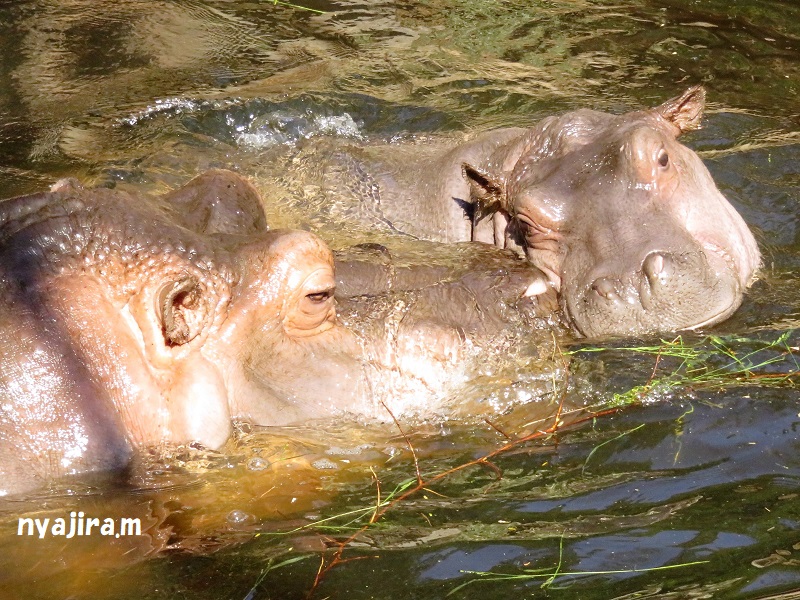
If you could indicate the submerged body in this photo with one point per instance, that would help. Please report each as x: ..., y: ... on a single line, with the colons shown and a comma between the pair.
x: 625, y: 221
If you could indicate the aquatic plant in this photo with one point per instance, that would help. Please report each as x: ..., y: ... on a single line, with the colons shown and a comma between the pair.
x: 710, y: 363
x: 551, y: 574
x: 297, y: 6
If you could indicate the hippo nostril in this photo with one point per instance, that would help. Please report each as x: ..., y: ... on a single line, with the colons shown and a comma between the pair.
x: 605, y: 288
x: 657, y: 267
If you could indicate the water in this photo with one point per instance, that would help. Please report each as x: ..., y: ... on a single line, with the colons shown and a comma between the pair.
x: 701, y: 479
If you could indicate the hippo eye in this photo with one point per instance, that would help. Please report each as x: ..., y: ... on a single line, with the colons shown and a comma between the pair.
x: 311, y: 308
x: 315, y: 312
x: 663, y: 158
x: 320, y: 297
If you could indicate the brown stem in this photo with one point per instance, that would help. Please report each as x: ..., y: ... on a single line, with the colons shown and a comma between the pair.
x: 408, y: 443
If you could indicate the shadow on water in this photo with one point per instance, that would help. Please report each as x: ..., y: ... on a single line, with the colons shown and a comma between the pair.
x: 692, y: 491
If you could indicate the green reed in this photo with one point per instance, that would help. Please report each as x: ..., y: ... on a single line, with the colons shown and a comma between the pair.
x: 710, y: 363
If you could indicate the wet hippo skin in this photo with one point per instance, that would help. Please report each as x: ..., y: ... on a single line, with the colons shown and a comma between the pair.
x: 625, y: 221
x: 129, y: 320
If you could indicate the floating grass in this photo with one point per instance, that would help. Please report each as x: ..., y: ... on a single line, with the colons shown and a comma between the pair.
x: 352, y: 519
x: 713, y: 362
x: 550, y: 575
x: 272, y: 566
x: 298, y: 7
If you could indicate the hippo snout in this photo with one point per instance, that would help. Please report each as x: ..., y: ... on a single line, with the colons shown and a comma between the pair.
x: 658, y: 269
x: 666, y: 291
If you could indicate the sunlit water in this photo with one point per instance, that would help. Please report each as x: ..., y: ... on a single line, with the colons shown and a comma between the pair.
x: 147, y: 94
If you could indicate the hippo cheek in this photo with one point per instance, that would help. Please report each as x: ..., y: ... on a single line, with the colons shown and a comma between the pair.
x: 289, y: 358
x: 670, y: 291
x: 283, y: 381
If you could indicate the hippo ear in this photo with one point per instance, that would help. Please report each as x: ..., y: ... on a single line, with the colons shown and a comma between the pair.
x: 178, y: 305
x: 685, y: 111
x: 219, y: 201
x: 488, y: 192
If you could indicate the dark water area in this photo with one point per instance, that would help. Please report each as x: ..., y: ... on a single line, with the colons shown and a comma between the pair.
x: 690, y: 491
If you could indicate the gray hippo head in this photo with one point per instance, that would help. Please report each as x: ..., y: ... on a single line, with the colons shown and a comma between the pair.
x: 625, y: 220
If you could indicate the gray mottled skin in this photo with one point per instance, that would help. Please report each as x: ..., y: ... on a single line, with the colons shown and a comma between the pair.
x: 625, y: 221
x: 128, y: 321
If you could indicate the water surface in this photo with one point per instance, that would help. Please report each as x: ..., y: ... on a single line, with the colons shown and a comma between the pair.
x: 692, y: 493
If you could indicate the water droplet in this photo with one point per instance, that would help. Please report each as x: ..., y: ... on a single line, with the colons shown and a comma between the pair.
x: 239, y: 517
x: 324, y: 463
x: 257, y: 463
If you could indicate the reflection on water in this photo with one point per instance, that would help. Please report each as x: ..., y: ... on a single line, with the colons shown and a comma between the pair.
x: 147, y: 94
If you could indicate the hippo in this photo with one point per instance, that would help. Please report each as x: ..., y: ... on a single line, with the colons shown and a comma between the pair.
x: 129, y: 321
x: 626, y: 222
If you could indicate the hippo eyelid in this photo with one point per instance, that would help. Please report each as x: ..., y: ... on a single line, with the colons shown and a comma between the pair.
x: 321, y: 296
x: 534, y: 226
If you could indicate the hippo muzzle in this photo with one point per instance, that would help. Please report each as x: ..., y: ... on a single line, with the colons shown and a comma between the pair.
x: 667, y: 290
x: 625, y: 221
